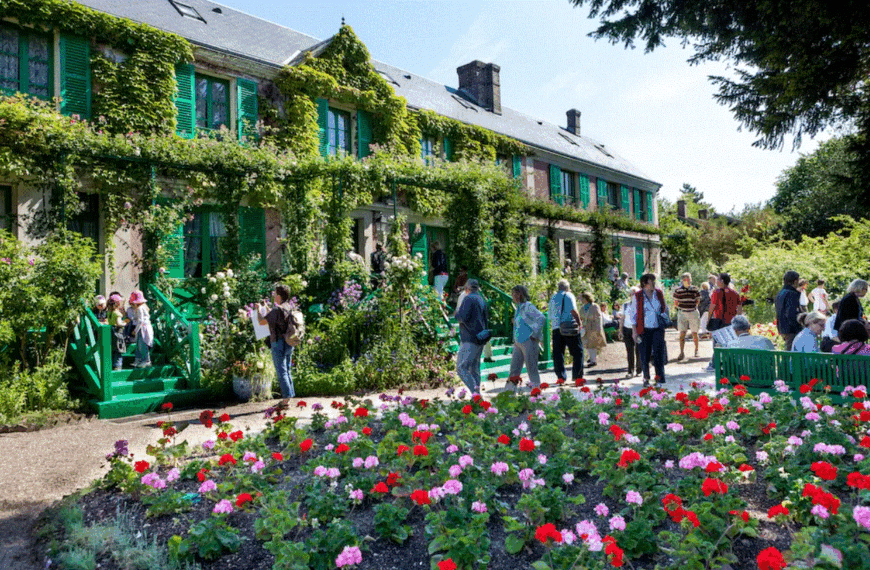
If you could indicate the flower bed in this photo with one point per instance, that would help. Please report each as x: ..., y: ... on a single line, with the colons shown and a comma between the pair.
x: 567, y: 478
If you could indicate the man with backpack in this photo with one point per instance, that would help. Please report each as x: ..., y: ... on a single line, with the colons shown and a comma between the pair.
x: 286, y: 329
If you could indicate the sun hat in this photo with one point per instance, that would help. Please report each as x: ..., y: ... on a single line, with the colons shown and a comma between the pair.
x: 137, y: 297
x: 116, y: 299
x: 99, y: 299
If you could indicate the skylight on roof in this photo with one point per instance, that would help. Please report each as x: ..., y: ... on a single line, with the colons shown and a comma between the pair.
x: 601, y: 149
x: 389, y: 77
x: 569, y: 139
x: 187, y: 10
x: 465, y: 103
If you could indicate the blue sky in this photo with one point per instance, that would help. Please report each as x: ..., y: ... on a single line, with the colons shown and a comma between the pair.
x: 653, y: 109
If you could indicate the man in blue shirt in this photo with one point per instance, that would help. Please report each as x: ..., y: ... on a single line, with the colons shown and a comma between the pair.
x: 472, y: 320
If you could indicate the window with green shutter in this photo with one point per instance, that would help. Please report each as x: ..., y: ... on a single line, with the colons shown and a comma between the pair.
x: 602, y: 195
x: 252, y: 234
x: 556, y: 184
x: 185, y: 101
x: 212, y: 102
x: 626, y: 200
x: 427, y: 148
x: 638, y: 204
x: 638, y: 262
x: 322, y: 120
x: 517, y: 166
x: 204, y: 235
x: 364, y: 133
x: 649, y: 206
x: 75, y: 76
x: 568, y: 187
x: 584, y: 191
x: 246, y: 91
x: 25, y: 62
x: 448, y: 149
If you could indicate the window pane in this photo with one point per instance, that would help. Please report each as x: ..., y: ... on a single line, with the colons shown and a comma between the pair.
x: 219, y: 108
x: 38, y: 48
x: 38, y: 71
x: 193, y: 247
x: 9, y: 65
x: 202, y: 102
x: 330, y: 120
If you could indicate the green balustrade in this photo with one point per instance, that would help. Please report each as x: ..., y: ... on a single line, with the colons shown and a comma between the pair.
x: 176, y: 339
x: 91, y: 350
x: 501, y: 317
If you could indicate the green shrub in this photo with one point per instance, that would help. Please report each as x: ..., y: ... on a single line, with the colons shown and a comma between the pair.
x: 39, y: 389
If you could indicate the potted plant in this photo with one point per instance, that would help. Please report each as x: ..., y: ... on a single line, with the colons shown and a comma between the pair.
x: 253, y: 376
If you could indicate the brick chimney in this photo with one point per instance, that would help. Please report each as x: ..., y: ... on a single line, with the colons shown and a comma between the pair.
x: 574, y: 121
x: 481, y: 81
x: 681, y: 208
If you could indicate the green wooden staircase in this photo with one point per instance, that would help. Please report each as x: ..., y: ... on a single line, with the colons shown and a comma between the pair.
x: 173, y: 377
x: 501, y: 313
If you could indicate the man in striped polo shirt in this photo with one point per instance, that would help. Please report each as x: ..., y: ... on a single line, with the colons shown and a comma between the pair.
x: 686, y: 299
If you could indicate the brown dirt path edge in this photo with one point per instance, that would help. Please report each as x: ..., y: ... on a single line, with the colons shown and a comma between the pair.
x: 39, y: 468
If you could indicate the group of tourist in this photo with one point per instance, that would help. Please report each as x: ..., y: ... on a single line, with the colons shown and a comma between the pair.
x: 130, y: 324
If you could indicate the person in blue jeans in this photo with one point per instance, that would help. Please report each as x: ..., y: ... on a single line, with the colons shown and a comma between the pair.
x: 282, y: 353
x: 563, y: 308
x: 471, y: 315
x: 645, y: 316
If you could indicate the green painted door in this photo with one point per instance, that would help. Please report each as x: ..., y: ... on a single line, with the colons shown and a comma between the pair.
x: 638, y: 262
x: 420, y: 245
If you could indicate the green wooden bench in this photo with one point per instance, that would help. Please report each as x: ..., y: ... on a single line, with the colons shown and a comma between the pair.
x: 764, y: 367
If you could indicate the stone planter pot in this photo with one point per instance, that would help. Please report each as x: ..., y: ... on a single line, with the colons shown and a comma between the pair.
x: 242, y: 388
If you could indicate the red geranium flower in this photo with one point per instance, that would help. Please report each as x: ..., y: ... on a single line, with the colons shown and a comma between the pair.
x: 714, y: 467
x: 547, y: 532
x: 243, y: 498
x: 342, y: 448
x: 224, y: 418
x: 613, y: 552
x: 486, y: 405
x: 766, y: 429
x: 628, y: 457
x: 447, y: 564
x: 237, y: 435
x: 492, y: 377
x: 770, y: 559
x: 746, y: 468
x: 806, y: 388
x: 227, y: 458
x: 527, y: 444
x: 141, y: 466
x: 423, y: 436
x: 544, y: 385
x: 420, y: 450
x: 707, y: 436
x: 743, y: 515
x: 306, y: 445
x: 865, y: 441
x: 466, y: 409
x: 865, y: 416
x: 380, y: 487
x: 820, y: 497
x: 361, y: 412
x: 421, y: 497
x: 671, y: 502
x: 301, y: 404
x: 560, y: 381
x: 824, y: 470
x: 169, y: 431
x: 711, y: 485
x: 222, y: 435
x: 205, y: 418
x: 504, y: 439
x: 724, y: 381
x: 858, y: 406
x: 535, y: 392
x: 393, y: 479
x: 402, y: 449
x: 579, y: 382
x: 367, y: 430
x: 776, y: 510
x: 617, y: 432
x: 476, y: 398
x: 858, y: 481
x: 859, y: 394
x: 166, y: 406
x: 744, y: 378
x: 201, y: 475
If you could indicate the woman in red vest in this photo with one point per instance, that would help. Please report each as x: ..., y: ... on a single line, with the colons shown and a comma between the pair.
x: 650, y: 313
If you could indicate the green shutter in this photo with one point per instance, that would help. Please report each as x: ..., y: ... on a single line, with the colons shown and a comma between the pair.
x: 363, y: 133
x: 556, y: 183
x: 322, y: 122
x: 448, y: 149
x: 173, y: 243
x: 638, y: 211
x: 75, y: 76
x: 602, y: 195
x: 638, y: 262
x: 649, y: 206
x: 185, y: 101
x: 584, y: 190
x: 517, y: 166
x: 247, y: 111
x: 542, y: 253
x: 420, y: 245
x: 626, y: 200
x: 252, y: 234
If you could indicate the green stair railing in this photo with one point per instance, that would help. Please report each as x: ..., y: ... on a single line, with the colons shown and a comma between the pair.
x: 176, y: 339
x: 91, y: 351
x: 501, y: 317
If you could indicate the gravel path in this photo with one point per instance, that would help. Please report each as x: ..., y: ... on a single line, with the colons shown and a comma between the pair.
x: 39, y: 468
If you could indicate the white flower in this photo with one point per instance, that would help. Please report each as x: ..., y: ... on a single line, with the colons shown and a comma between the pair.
x: 220, y: 275
x: 212, y: 280
x: 259, y: 365
x: 229, y: 272
x: 226, y: 293
x: 202, y: 290
x: 214, y: 297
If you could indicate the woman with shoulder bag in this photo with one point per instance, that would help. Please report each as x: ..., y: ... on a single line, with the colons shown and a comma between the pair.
x: 593, y: 329
x: 565, y: 325
x: 528, y: 328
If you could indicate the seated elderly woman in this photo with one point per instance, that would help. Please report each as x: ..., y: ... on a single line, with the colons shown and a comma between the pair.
x: 740, y: 324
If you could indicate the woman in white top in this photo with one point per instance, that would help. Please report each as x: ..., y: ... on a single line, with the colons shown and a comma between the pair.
x: 819, y: 297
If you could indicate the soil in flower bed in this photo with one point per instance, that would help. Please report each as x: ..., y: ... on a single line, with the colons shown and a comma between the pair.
x: 574, y: 448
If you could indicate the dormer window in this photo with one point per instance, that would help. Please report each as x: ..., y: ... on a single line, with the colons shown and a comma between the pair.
x: 187, y: 11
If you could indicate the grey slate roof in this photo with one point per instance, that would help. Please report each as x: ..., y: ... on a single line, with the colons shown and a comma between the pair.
x: 238, y: 33
x: 229, y: 31
x: 422, y: 93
